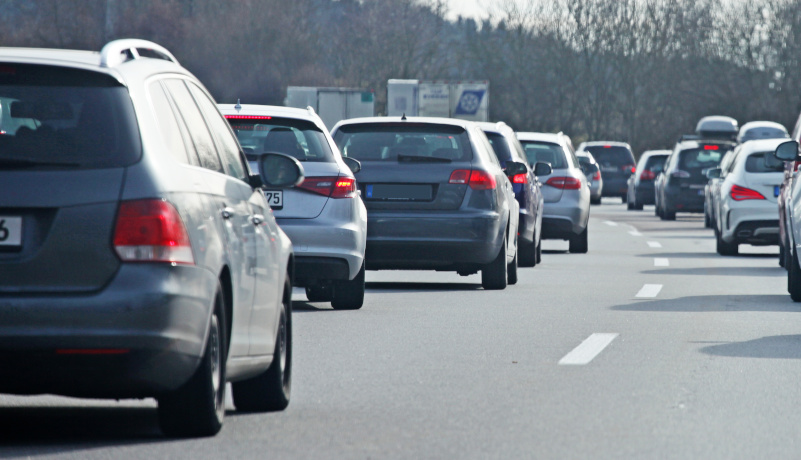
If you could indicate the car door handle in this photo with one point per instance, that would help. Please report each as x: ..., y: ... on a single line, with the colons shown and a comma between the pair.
x: 228, y: 213
x: 257, y: 219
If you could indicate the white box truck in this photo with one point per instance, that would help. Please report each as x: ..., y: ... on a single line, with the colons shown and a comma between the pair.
x: 332, y: 104
x: 468, y: 100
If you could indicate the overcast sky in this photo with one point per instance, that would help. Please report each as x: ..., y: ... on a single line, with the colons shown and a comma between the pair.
x: 469, y: 8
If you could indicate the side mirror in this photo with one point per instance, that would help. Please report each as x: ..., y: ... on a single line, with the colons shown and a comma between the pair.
x: 787, y: 151
x: 713, y: 173
x: 514, y: 168
x: 354, y: 164
x: 280, y: 171
x: 542, y: 169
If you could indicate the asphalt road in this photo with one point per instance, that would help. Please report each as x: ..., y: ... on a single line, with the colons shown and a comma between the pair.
x: 649, y: 346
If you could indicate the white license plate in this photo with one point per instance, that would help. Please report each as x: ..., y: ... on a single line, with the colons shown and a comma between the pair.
x: 275, y: 198
x: 10, y: 231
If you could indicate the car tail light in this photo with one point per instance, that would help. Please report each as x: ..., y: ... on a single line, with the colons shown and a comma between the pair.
x: 564, y: 183
x: 647, y: 175
x: 520, y: 178
x: 460, y: 176
x: 680, y: 173
x: 481, y: 180
x: 151, y: 231
x: 597, y: 175
x: 711, y: 147
x: 797, y: 164
x: 629, y: 168
x: 247, y: 117
x: 741, y: 193
x: 332, y: 187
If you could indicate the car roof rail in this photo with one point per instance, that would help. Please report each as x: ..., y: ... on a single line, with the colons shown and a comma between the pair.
x: 310, y: 109
x: 689, y: 137
x: 116, y: 52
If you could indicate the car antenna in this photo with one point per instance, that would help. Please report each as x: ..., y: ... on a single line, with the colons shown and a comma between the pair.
x: 238, y: 105
x: 403, y: 117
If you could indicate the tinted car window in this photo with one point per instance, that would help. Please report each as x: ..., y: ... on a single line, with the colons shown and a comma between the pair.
x: 655, y: 163
x: 755, y: 163
x: 297, y: 138
x: 545, y: 152
x: 396, y: 142
x: 229, y: 151
x: 499, y: 146
x: 201, y: 138
x: 763, y: 132
x: 698, y: 159
x: 612, y: 155
x: 73, y: 118
x: 168, y: 126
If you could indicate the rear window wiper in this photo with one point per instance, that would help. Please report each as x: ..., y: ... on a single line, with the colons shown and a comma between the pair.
x: 421, y: 159
x: 28, y: 163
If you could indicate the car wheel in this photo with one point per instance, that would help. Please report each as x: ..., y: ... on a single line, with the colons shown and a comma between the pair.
x: 595, y: 200
x: 270, y: 390
x: 320, y: 293
x: 511, y: 270
x: 782, y: 256
x: 629, y: 205
x: 539, y: 253
x: 668, y: 215
x: 707, y: 219
x: 624, y: 198
x: 197, y: 408
x: 578, y: 243
x: 794, y: 278
x: 349, y: 295
x: 527, y: 253
x: 724, y: 248
x: 493, y: 275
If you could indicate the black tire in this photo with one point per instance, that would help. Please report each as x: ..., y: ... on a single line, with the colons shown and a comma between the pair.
x: 197, y: 408
x: 668, y: 215
x: 595, y: 200
x: 493, y: 275
x: 782, y: 256
x: 657, y: 210
x: 578, y: 243
x: 707, y: 219
x: 624, y: 198
x: 511, y: 269
x: 539, y: 253
x: 724, y: 248
x: 527, y: 253
x: 794, y: 278
x: 349, y: 295
x: 270, y: 390
x: 322, y: 293
x: 629, y: 205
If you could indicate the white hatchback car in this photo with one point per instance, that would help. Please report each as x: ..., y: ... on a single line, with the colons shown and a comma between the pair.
x: 746, y: 203
x: 324, y: 216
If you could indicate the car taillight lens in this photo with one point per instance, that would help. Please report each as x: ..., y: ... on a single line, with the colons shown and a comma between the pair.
x: 797, y: 164
x: 333, y: 187
x: 680, y: 173
x: 151, y: 231
x: 519, y: 178
x: 647, y: 175
x: 741, y: 193
x: 597, y: 175
x: 629, y: 168
x: 564, y: 183
x: 477, y: 179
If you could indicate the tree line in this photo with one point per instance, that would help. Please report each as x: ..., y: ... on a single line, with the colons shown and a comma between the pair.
x: 641, y: 71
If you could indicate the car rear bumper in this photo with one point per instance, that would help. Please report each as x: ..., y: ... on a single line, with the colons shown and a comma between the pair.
x: 567, y: 218
x: 442, y: 241
x: 757, y: 225
x: 644, y: 193
x: 615, y: 186
x: 684, y: 199
x: 142, y: 335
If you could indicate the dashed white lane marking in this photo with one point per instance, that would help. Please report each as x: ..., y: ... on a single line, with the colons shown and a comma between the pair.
x: 635, y: 233
x: 588, y: 349
x: 661, y: 262
x: 649, y: 290
x: 610, y: 223
x: 654, y: 244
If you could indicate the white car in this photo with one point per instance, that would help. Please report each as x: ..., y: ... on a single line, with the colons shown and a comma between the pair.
x: 324, y: 216
x: 747, y: 210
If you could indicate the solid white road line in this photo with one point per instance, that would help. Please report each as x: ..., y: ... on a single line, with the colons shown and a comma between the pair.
x: 610, y: 223
x: 654, y: 244
x: 588, y: 350
x: 661, y: 262
x: 649, y: 290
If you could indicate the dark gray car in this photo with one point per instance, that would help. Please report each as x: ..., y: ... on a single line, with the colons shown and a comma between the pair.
x: 436, y: 197
x: 138, y: 256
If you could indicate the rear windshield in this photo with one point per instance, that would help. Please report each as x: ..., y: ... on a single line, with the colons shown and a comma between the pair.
x: 612, y: 155
x: 655, y: 163
x: 545, y: 152
x: 755, y: 163
x: 499, y: 146
x: 55, y: 117
x: 699, y: 159
x: 297, y: 138
x: 404, y: 142
x: 765, y: 132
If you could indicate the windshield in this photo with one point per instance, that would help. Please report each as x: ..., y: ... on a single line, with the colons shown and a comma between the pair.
x: 393, y: 142
x: 300, y: 139
x: 545, y: 152
x: 64, y: 117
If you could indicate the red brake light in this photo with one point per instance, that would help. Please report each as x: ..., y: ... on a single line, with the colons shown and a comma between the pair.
x: 151, y: 231
x: 711, y: 147
x: 481, y: 180
x: 248, y: 117
x: 607, y: 146
x: 460, y: 176
x: 564, y: 183
x: 333, y: 187
x: 741, y: 193
x: 647, y: 175
x: 797, y: 164
x: 520, y: 178
x: 597, y: 175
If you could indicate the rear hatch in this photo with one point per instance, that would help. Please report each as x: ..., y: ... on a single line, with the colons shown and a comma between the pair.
x: 298, y: 138
x: 616, y: 162
x: 409, y: 166
x: 554, y: 155
x: 763, y: 178
x: 66, y: 137
x: 690, y: 174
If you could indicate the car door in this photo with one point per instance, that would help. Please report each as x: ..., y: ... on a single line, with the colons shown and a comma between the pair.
x: 229, y: 212
x: 506, y: 194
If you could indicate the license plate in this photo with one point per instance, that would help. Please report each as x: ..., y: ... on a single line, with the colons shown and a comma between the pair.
x: 399, y: 192
x: 776, y: 190
x: 10, y: 231
x: 275, y: 198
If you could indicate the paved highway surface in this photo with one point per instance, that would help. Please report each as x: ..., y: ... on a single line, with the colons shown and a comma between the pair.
x: 649, y: 346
